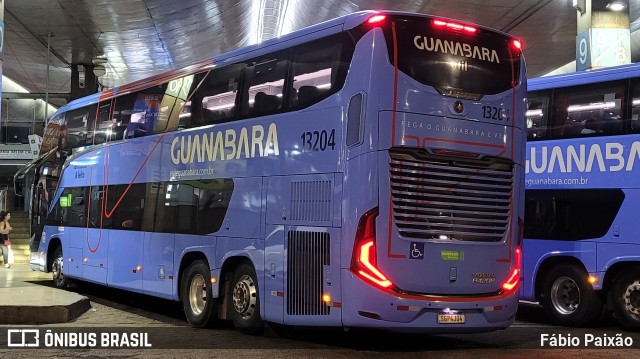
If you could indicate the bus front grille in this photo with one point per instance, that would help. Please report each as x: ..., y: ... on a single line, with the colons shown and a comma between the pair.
x: 307, y: 256
x: 450, y: 198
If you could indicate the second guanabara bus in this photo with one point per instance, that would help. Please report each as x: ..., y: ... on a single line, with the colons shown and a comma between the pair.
x: 363, y: 172
x: 581, y: 246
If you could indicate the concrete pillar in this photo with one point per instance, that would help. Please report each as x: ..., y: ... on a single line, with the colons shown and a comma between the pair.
x: 83, y: 81
x: 603, y: 34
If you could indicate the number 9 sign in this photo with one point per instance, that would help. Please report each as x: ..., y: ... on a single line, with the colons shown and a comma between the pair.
x: 583, y: 51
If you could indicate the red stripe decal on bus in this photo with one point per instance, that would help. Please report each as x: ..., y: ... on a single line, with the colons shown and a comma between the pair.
x: 393, y: 133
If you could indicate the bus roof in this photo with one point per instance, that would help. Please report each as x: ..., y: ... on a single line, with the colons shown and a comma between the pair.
x: 584, y: 77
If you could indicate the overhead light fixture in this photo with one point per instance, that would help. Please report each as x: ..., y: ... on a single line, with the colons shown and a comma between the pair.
x: 98, y: 66
x: 616, y: 5
x: 580, y: 6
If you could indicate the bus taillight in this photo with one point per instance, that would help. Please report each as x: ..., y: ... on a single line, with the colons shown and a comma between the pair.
x: 376, y: 20
x: 454, y: 26
x: 514, y: 278
x: 516, y: 44
x: 363, y: 261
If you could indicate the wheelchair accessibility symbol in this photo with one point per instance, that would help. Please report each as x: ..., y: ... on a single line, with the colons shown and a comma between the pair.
x: 416, y: 251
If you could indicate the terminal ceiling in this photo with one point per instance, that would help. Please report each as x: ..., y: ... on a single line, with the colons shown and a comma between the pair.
x: 141, y: 38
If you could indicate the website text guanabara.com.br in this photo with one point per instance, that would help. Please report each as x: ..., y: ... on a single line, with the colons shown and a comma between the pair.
x: 190, y: 172
x: 576, y: 181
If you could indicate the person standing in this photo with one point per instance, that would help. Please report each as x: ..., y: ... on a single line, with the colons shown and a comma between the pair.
x: 5, y: 242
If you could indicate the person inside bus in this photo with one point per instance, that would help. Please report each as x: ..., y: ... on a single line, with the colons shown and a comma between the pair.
x: 5, y: 243
x: 265, y: 103
x: 308, y: 94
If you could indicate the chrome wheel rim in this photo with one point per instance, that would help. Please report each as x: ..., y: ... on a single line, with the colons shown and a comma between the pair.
x: 56, y: 270
x: 632, y: 298
x: 245, y: 297
x: 565, y: 295
x: 198, y: 294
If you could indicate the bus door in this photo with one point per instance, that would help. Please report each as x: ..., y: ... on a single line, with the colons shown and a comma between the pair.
x: 175, y: 215
x: 96, y: 238
x: 124, y: 208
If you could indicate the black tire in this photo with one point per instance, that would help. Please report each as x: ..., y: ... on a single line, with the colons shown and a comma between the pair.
x: 60, y: 281
x: 244, y: 302
x: 568, y: 299
x: 199, y: 306
x: 626, y: 300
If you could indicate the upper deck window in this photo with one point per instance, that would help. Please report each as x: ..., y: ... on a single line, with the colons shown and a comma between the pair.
x: 479, y: 62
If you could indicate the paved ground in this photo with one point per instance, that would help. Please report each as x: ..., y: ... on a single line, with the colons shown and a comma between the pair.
x: 163, y: 321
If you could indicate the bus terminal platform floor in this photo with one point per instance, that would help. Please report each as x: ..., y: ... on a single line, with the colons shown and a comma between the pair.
x: 22, y: 301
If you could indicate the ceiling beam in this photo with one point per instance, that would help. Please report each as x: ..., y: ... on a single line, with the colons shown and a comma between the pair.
x: 33, y: 95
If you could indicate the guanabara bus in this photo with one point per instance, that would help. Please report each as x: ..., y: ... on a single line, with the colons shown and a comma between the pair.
x: 363, y: 172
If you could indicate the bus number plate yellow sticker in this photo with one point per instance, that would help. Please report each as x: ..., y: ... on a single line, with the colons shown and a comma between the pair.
x: 450, y: 318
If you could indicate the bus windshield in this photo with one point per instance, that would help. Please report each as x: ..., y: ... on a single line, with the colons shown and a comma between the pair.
x: 454, y: 56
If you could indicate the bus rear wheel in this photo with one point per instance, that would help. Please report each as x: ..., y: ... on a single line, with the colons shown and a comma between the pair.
x: 195, y: 291
x: 59, y: 280
x: 626, y: 300
x: 568, y: 299
x: 245, y: 300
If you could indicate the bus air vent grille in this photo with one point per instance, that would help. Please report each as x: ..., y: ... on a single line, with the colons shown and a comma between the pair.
x: 307, y: 256
x: 450, y: 198
x: 311, y: 201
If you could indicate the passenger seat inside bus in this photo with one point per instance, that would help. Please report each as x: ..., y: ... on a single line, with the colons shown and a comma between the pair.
x: 265, y: 103
x: 308, y: 95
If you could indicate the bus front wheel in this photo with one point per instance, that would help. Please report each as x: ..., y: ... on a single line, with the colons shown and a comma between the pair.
x: 59, y: 280
x: 199, y: 306
x: 245, y: 300
x: 626, y: 300
x: 568, y: 299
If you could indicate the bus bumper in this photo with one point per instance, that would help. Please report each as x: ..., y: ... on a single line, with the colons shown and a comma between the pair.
x: 37, y: 261
x: 364, y: 305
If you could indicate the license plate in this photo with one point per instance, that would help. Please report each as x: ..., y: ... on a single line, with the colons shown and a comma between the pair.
x: 450, y: 318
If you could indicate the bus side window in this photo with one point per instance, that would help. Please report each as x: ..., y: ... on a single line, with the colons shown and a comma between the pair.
x: 174, y: 109
x: 594, y: 110
x: 315, y: 72
x: 537, y: 116
x: 74, y: 212
x: 217, y: 96
x: 145, y: 112
x: 128, y: 214
x: 634, y: 123
x: 79, y: 122
x: 103, y: 130
x: 122, y: 110
x: 264, y: 81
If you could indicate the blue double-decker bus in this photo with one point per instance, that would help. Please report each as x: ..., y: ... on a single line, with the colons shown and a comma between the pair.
x: 581, y: 248
x: 364, y: 172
